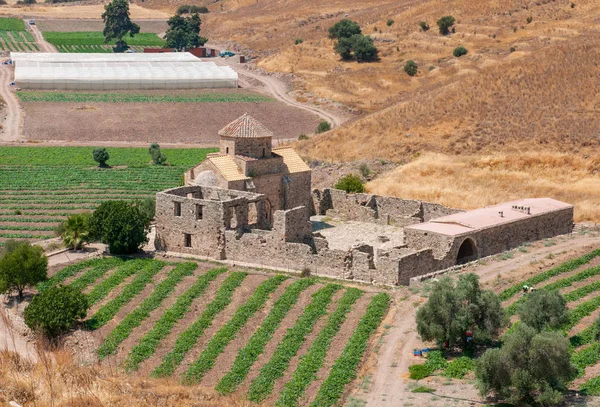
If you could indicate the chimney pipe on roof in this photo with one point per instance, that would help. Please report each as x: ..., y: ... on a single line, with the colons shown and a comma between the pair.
x: 501, y: 214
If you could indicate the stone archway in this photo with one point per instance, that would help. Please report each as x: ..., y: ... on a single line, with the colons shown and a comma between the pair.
x: 467, y: 252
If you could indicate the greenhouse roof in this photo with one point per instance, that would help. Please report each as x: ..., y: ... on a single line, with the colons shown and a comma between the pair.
x: 60, y: 57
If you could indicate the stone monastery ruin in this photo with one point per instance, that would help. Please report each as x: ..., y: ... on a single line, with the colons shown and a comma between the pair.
x: 251, y: 203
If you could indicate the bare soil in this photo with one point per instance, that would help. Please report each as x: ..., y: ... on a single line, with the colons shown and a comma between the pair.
x: 194, y: 123
x: 225, y: 360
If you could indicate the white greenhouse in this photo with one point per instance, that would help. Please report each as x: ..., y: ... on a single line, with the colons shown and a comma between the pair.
x: 119, y: 71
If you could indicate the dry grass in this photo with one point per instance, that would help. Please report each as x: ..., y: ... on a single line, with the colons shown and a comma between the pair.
x: 473, y: 181
x: 56, y: 380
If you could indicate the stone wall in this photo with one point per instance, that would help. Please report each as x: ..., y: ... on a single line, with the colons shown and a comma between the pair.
x: 375, y: 208
x: 249, y: 147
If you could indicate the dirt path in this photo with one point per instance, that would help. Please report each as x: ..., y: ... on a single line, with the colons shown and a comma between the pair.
x: 12, y: 125
x: 276, y: 88
x: 44, y: 45
x: 11, y: 340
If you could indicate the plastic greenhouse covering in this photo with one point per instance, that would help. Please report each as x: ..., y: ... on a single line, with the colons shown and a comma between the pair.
x: 120, y: 71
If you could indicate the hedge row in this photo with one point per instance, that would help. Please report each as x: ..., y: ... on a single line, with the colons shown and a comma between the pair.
x: 256, y: 345
x: 102, y: 289
x: 152, y: 302
x: 93, y: 274
x: 582, y: 292
x: 187, y: 340
x: 538, y: 278
x: 147, y: 345
x: 262, y: 386
x: 312, y: 361
x: 344, y: 368
x: 110, y: 309
x: 227, y: 333
x: 557, y: 285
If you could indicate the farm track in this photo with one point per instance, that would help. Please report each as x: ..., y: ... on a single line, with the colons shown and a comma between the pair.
x: 44, y: 45
x: 241, y: 294
x: 13, y: 123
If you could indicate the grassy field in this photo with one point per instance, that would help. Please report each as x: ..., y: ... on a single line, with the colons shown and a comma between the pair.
x: 33, y: 96
x: 230, y: 330
x: 87, y: 38
x: 40, y: 186
x: 12, y: 24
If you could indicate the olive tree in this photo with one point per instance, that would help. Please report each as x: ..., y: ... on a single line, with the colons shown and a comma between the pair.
x: 444, y: 24
x: 530, y: 367
x: 101, y: 156
x: 117, y: 24
x: 452, y: 310
x: 120, y: 225
x: 22, y: 265
x: 544, y: 310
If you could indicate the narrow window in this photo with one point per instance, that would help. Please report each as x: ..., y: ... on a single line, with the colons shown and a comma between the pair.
x: 198, y: 212
x: 177, y: 208
x: 264, y: 153
x: 226, y: 150
x: 188, y: 239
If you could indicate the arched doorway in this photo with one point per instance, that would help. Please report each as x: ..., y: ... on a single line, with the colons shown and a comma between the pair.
x: 467, y: 252
x: 269, y: 212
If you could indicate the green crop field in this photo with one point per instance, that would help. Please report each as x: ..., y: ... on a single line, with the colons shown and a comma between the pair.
x: 182, y: 329
x: 13, y: 36
x: 40, y: 186
x: 37, y: 96
x: 93, y: 41
x: 580, y: 271
x: 12, y: 24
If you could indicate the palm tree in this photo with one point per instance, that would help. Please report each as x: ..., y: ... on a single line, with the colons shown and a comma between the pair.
x: 75, y: 231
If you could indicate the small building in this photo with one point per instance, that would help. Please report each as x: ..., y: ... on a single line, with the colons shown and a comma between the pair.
x: 248, y: 162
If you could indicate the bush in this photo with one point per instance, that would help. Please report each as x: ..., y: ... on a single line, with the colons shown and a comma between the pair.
x: 530, y: 366
x: 423, y: 389
x: 364, y: 170
x: 100, y: 156
x: 411, y: 68
x: 75, y: 231
x: 418, y: 372
x: 120, y: 225
x: 445, y: 23
x: 56, y: 310
x: 298, y: 41
x: 544, y: 309
x: 424, y: 26
x: 344, y: 29
x: 21, y: 265
x: 302, y: 137
x: 459, y: 367
x: 358, y: 46
x: 459, y: 52
x: 323, y: 126
x: 350, y: 183
x: 158, y: 157
x: 186, y: 8
x: 146, y: 207
x: 389, y: 22
x: 465, y: 304
x: 529, y: 19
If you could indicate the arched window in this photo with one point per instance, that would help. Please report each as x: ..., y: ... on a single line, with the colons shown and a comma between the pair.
x: 467, y: 252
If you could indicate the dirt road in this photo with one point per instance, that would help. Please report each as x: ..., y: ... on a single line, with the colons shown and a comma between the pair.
x: 11, y: 126
x: 11, y: 340
x: 276, y: 88
x: 44, y: 45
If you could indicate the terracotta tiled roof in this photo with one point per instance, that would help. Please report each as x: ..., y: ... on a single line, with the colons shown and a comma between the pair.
x: 245, y: 127
x: 291, y: 159
x: 227, y: 167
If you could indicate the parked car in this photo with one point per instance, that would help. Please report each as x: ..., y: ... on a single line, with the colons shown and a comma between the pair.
x: 31, y: 22
x: 226, y: 53
x: 12, y: 84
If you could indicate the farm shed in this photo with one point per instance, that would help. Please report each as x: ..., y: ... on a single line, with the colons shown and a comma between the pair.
x: 173, y: 70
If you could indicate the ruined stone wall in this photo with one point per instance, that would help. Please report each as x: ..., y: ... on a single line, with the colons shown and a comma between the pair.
x: 254, y: 167
x: 296, y: 190
x: 385, y: 210
x: 417, y: 239
x: 293, y: 225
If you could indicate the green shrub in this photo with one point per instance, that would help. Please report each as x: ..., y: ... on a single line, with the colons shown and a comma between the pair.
x: 529, y: 19
x: 323, y: 126
x: 364, y: 170
x: 298, y: 41
x: 21, y: 265
x: 303, y: 137
x: 75, y: 230
x: 420, y: 371
x: 436, y: 360
x: 120, y: 225
x: 350, y: 183
x: 411, y: 68
x: 158, y: 157
x: 389, y: 22
x: 444, y: 24
x: 101, y: 156
x: 459, y: 367
x: 422, y: 389
x: 344, y: 29
x: 459, y: 52
x: 56, y: 310
x: 424, y: 26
